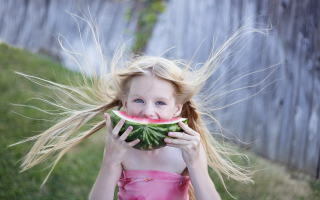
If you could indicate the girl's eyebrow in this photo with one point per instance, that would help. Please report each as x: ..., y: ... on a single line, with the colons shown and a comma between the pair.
x: 138, y: 95
x: 163, y: 98
x: 158, y: 97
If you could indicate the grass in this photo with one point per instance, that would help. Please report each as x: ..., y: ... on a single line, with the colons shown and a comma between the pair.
x: 74, y: 177
x: 272, y: 181
x: 75, y: 174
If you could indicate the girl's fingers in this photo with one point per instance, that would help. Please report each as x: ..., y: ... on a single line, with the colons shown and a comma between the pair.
x: 176, y: 142
x: 114, y: 131
x: 180, y: 135
x: 108, y: 122
x: 187, y: 129
x: 126, y: 133
x: 189, y: 138
x: 117, y: 128
x: 134, y: 142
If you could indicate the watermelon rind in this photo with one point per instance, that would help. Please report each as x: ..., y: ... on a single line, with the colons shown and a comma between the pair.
x: 151, y: 135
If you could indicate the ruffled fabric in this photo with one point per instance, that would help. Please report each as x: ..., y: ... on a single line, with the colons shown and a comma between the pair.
x: 152, y: 185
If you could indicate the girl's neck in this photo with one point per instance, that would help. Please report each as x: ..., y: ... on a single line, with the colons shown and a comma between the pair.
x: 152, y: 152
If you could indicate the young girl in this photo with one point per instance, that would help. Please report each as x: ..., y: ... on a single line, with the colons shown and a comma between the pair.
x: 155, y: 88
x: 148, y: 87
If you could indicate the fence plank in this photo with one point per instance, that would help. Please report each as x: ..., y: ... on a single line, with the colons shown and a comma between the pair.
x: 312, y: 157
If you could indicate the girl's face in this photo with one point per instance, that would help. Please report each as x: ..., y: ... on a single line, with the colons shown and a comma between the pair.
x: 151, y: 97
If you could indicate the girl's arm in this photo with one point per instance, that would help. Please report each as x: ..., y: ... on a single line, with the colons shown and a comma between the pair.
x: 200, y: 179
x: 111, y: 168
x: 195, y: 158
x: 106, y: 182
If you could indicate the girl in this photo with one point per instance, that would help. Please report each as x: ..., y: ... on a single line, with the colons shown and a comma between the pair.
x: 155, y: 88
x: 149, y: 87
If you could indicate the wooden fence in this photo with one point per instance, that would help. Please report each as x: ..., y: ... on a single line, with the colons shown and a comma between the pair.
x: 282, y: 122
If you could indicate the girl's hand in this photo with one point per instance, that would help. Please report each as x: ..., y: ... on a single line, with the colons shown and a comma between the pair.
x: 188, y: 141
x: 116, y: 146
x: 194, y: 156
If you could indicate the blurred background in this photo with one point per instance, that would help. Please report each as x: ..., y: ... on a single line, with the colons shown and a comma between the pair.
x: 276, y: 73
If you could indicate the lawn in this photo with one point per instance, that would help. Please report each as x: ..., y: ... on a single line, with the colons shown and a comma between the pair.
x: 75, y: 174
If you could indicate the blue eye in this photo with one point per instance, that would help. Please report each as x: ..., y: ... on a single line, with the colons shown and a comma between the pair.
x: 138, y: 101
x: 160, y: 103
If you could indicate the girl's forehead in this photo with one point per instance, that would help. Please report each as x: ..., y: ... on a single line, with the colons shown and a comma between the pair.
x: 151, y: 85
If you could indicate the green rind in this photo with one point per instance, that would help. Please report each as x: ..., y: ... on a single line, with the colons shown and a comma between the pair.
x: 151, y: 136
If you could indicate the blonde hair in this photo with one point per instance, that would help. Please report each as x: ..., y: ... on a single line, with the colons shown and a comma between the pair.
x: 103, y: 91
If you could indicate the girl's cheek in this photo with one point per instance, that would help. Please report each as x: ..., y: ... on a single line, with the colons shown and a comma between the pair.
x: 134, y: 110
x: 167, y: 115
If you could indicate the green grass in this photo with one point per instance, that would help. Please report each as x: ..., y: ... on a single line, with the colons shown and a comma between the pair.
x: 271, y: 182
x: 75, y: 174
x: 74, y: 177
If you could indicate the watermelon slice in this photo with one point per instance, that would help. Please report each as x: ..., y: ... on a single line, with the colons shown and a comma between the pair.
x: 151, y: 132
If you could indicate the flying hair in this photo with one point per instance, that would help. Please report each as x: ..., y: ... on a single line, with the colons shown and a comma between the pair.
x: 104, y: 89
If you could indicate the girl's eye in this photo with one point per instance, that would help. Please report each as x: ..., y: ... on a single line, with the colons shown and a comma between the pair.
x: 138, y: 101
x: 160, y: 103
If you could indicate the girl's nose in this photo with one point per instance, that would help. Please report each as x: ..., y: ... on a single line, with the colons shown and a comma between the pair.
x: 149, y: 112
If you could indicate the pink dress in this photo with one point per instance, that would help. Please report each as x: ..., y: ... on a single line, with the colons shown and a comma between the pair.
x: 152, y: 185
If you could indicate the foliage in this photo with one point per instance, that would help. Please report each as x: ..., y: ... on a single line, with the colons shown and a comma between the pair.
x: 148, y: 12
x: 315, y: 185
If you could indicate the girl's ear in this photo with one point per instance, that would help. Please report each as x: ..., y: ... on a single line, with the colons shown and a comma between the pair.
x: 178, y: 110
